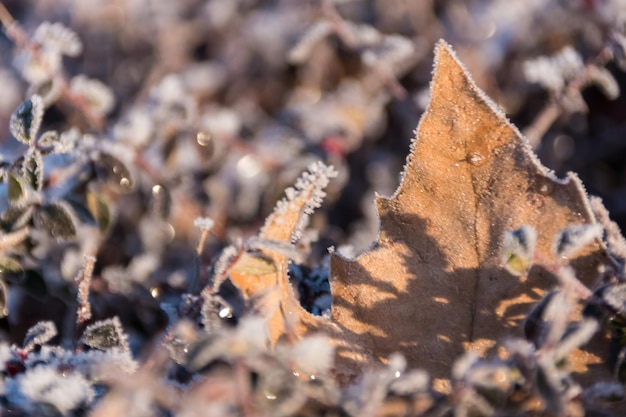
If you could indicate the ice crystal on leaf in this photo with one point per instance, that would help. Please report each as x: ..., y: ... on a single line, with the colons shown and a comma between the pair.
x: 105, y: 334
x: 311, y: 186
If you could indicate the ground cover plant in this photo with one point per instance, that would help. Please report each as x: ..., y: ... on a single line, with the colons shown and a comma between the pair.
x: 189, y: 223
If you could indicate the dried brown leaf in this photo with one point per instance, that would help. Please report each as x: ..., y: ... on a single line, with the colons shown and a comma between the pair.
x: 433, y: 286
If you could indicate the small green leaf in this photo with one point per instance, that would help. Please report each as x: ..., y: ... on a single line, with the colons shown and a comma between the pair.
x: 16, y: 189
x: 26, y: 120
x: 519, y: 250
x: 99, y: 209
x: 57, y: 219
x: 113, y: 172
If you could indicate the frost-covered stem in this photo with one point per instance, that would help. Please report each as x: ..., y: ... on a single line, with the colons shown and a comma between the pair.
x: 22, y: 40
x: 83, y: 281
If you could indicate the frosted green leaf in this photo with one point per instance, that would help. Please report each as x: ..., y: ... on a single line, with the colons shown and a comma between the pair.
x: 16, y: 189
x: 26, y: 120
x: 105, y: 335
x: 32, y: 168
x: 57, y: 219
x: 519, y: 249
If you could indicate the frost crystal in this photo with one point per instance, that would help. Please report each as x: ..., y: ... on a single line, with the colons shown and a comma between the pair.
x: 94, y: 364
x: 58, y: 38
x: 43, y: 385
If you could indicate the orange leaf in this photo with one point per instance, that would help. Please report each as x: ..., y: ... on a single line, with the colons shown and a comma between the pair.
x: 433, y: 284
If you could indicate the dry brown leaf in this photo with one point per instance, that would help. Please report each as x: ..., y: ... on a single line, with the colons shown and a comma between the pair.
x: 283, y: 226
x: 433, y: 286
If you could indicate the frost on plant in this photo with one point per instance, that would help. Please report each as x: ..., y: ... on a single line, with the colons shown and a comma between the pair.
x: 303, y: 198
x: 105, y: 335
x: 58, y: 38
x: 39, y: 334
x: 26, y: 120
x: 41, y: 388
x: 173, y: 128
